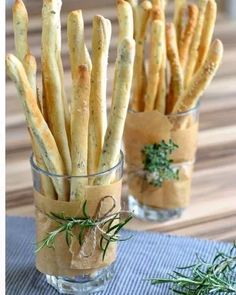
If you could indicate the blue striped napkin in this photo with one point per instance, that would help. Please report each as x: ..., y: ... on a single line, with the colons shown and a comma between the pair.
x: 145, y: 255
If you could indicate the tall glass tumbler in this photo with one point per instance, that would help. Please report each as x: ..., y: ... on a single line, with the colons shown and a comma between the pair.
x: 149, y: 202
x: 74, y: 268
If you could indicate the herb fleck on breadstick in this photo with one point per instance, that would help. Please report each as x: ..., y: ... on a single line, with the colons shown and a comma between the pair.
x: 120, y: 98
x: 79, y: 136
x: 98, y: 116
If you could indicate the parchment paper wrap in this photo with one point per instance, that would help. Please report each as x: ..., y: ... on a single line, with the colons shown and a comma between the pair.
x: 151, y: 127
x: 67, y: 261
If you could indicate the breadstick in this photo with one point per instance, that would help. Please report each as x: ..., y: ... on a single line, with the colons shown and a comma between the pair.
x: 178, y: 17
x: 155, y: 62
x: 35, y: 121
x: 187, y: 37
x: 207, y: 32
x: 20, y: 27
x: 125, y: 19
x: 79, y: 133
x: 201, y: 79
x: 30, y: 67
x: 139, y: 78
x: 98, y: 116
x: 193, y: 53
x: 176, y: 84
x: 52, y: 79
x: 120, y: 97
x: 78, y: 51
x: 158, y: 13
x: 134, y: 5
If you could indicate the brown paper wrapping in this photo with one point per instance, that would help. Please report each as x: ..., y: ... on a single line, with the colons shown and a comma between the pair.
x: 63, y: 260
x: 151, y: 127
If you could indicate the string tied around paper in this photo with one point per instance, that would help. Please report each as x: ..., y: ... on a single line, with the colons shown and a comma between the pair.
x: 107, y: 225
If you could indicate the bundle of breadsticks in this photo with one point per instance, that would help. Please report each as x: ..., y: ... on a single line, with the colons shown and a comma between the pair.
x: 182, y: 58
x: 174, y: 63
x: 74, y: 140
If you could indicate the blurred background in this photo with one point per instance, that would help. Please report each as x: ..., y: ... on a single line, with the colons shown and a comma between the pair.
x: 212, y: 213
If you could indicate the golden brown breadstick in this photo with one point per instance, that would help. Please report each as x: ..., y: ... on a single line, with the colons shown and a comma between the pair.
x: 125, y: 19
x: 30, y: 65
x: 37, y: 124
x: 52, y: 79
x: 120, y: 97
x: 176, y: 84
x: 187, y: 37
x: 201, y: 79
x: 139, y: 78
x: 207, y: 32
x: 98, y: 116
x: 193, y: 53
x: 20, y: 27
x: 79, y: 133
x: 75, y: 34
x: 155, y: 61
x: 178, y: 17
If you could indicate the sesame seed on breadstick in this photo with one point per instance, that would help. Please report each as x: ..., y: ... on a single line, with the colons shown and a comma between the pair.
x: 207, y: 32
x: 36, y: 123
x: 98, y: 114
x: 201, y: 79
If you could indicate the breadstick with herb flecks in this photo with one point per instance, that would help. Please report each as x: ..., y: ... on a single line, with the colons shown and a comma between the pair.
x: 79, y: 133
x: 125, y: 19
x: 134, y: 5
x: 155, y: 61
x: 30, y: 67
x: 187, y: 37
x: 178, y: 17
x: 20, y: 27
x: 78, y: 51
x: 120, y: 97
x: 193, y: 52
x: 139, y: 76
x: 52, y: 79
x: 98, y: 115
x: 207, y: 32
x: 35, y: 121
x: 158, y: 13
x: 201, y: 79
x: 176, y: 83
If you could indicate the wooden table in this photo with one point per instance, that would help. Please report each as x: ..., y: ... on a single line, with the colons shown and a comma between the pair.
x: 212, y: 213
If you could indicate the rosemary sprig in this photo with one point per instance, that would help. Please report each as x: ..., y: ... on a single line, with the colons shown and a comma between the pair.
x: 108, y: 226
x: 157, y: 163
x: 203, y: 278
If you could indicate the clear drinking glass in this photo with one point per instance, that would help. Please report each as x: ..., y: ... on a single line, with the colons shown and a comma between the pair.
x: 169, y: 201
x: 87, y: 281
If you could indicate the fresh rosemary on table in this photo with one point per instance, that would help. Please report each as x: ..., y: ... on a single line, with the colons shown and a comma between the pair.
x: 203, y: 278
x: 109, y: 227
x: 157, y: 163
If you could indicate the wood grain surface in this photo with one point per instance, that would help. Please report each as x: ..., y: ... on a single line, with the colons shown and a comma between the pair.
x: 212, y: 213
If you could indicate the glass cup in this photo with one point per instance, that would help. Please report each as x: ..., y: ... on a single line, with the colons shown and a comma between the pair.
x: 81, y: 282
x: 146, y: 201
